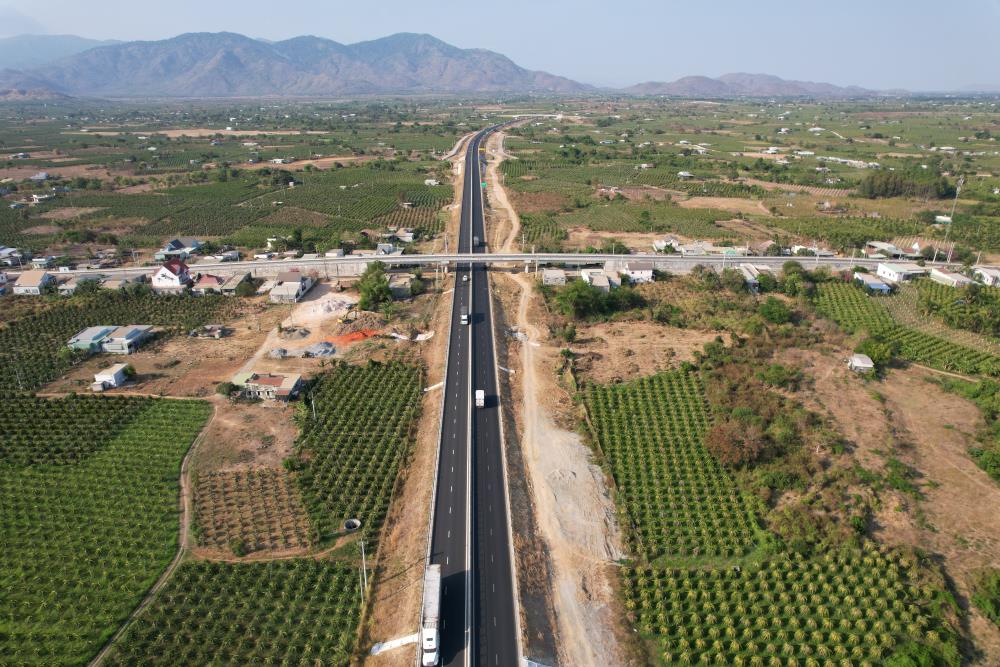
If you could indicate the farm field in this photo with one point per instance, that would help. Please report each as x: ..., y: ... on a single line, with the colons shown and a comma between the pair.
x: 855, y: 311
x: 31, y: 344
x: 684, y: 507
x: 89, y: 487
x: 292, y: 612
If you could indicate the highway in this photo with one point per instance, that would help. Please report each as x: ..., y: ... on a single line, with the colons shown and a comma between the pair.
x: 495, y: 639
x: 469, y: 527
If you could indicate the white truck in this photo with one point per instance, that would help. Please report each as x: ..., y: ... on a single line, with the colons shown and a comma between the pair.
x: 465, y: 315
x: 430, y: 636
x: 480, y: 398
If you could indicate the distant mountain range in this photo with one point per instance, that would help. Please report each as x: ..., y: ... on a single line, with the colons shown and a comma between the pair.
x: 227, y: 65
x: 745, y: 85
x: 26, y: 51
x: 231, y: 65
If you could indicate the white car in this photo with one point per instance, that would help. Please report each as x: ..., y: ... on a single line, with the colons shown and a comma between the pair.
x: 465, y: 279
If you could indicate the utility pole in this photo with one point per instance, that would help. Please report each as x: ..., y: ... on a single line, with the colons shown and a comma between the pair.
x: 364, y: 565
x: 951, y: 218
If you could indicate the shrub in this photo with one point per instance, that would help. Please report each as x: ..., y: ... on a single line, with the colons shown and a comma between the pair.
x: 775, y: 311
x: 735, y: 444
x: 986, y: 594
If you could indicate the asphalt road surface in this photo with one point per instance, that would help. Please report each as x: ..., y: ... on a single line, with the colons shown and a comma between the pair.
x: 469, y: 534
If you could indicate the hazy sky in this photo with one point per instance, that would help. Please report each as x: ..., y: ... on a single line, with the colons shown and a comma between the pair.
x: 915, y: 44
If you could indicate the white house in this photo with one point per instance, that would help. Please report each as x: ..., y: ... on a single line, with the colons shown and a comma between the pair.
x: 752, y: 273
x: 873, y: 283
x: 32, y: 283
x: 861, y: 363
x: 899, y: 273
x: 113, y: 376
x: 125, y: 340
x: 685, y: 174
x: 950, y: 278
x: 431, y: 182
x: 291, y: 287
x: 553, y: 277
x: 173, y: 276
x: 179, y: 248
x: 638, y: 272
x: 987, y: 276
x: 273, y: 386
x: 600, y: 279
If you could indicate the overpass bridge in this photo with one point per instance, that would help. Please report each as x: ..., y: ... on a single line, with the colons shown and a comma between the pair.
x: 350, y: 265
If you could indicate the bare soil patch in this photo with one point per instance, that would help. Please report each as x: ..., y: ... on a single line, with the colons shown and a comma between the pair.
x: 259, y: 509
x: 753, y: 230
x: 42, y: 230
x: 623, y: 351
x: 247, y: 435
x: 579, y: 238
x: 538, y: 202
x: 732, y: 204
x: 572, y: 506
x: 67, y: 213
x: 181, y: 366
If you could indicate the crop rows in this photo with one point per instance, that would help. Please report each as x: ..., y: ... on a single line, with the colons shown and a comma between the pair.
x: 29, y: 346
x: 849, y: 608
x: 351, y: 452
x: 855, y: 311
x: 89, y: 520
x: 679, y: 500
x: 260, y: 509
x: 292, y: 612
x: 909, y: 308
x: 974, y: 308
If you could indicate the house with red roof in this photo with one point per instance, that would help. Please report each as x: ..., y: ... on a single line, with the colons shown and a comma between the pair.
x: 174, y: 276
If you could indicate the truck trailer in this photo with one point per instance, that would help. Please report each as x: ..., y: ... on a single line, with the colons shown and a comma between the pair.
x: 430, y: 635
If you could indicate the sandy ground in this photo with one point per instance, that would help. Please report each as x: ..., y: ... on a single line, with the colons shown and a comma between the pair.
x: 583, y: 237
x: 790, y: 187
x: 616, y: 351
x: 65, y: 171
x: 67, y: 213
x: 181, y: 366
x: 752, y: 206
x: 505, y: 225
x: 247, y: 435
x: 299, y: 165
x: 754, y: 230
x: 574, y: 511
x: 931, y: 430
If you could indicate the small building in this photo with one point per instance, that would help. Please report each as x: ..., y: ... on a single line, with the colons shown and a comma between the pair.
x: 45, y: 262
x: 872, y: 283
x: 987, y: 275
x: 233, y: 282
x: 40, y: 177
x: 33, y: 283
x: 399, y: 285
x: 386, y: 249
x: 950, y: 278
x: 553, y: 277
x: 122, y: 280
x: 113, y: 376
x: 10, y: 256
x: 271, y: 386
x: 600, y: 279
x: 684, y: 175
x: 899, y: 273
x: 90, y: 339
x: 752, y: 273
x: 638, y: 272
x: 173, y: 277
x: 41, y: 199
x: 430, y: 181
x: 70, y: 286
x: 208, y: 284
x: 179, y: 248
x: 882, y: 250
x: 861, y: 363
x: 290, y: 287
x: 126, y: 340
